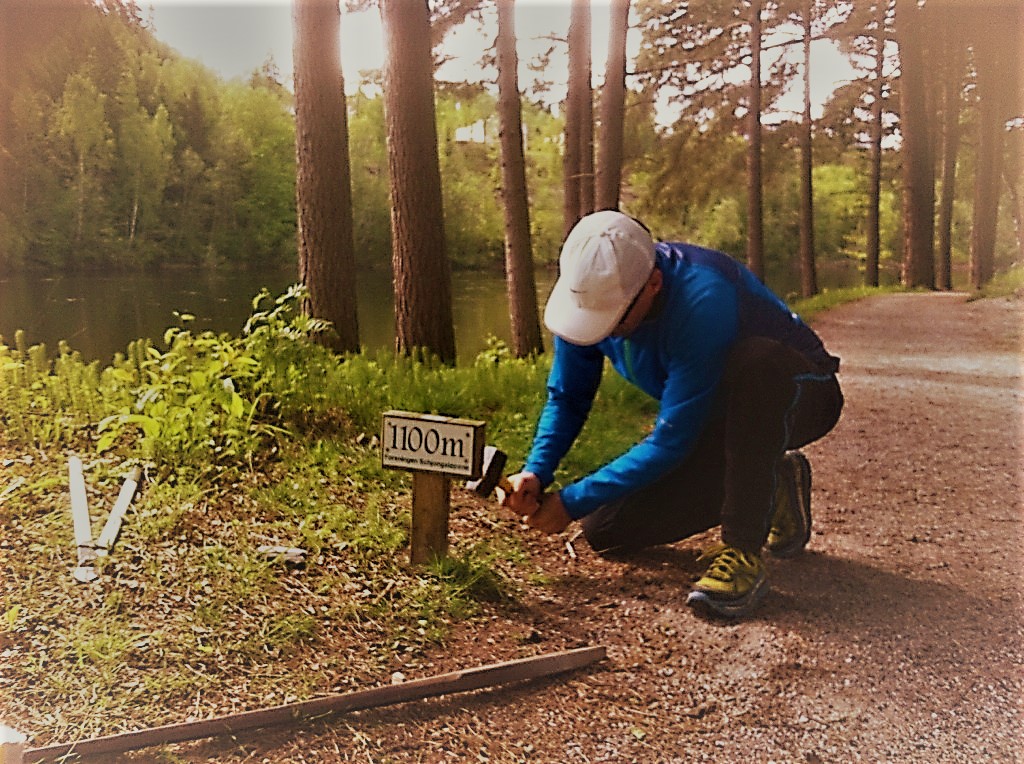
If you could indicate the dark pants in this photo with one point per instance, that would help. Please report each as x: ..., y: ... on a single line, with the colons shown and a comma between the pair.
x: 772, y: 400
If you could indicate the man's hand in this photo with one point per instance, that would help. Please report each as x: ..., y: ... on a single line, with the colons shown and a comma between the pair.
x: 525, y: 497
x: 546, y: 514
x: 551, y: 517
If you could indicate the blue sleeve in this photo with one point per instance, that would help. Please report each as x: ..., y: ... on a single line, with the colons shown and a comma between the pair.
x: 698, y: 343
x: 572, y: 385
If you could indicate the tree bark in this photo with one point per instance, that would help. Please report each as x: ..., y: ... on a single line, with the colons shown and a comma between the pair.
x: 519, y: 272
x: 755, y: 205
x: 80, y: 201
x: 613, y: 106
x: 954, y: 61
x: 578, y: 119
x: 874, y: 236
x: 991, y: 56
x: 808, y: 271
x: 585, y: 94
x: 422, y: 274
x: 918, y: 168
x: 323, y: 175
x: 133, y: 217
x: 1014, y: 168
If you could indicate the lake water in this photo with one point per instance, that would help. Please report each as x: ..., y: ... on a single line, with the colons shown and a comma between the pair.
x: 100, y: 314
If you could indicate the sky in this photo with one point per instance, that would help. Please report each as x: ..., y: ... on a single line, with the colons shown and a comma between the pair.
x: 235, y: 37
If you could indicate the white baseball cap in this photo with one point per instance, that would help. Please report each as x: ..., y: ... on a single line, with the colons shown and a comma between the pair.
x: 606, y: 259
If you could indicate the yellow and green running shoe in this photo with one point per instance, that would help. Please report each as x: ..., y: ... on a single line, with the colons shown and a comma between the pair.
x: 791, y: 524
x: 733, y: 584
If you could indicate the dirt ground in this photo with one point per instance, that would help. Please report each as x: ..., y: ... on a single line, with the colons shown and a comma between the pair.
x: 897, y: 637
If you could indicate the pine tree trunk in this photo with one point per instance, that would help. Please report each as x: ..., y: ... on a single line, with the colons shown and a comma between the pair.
x: 80, y: 201
x: 1014, y: 167
x: 585, y: 94
x: 133, y: 219
x: 874, y: 236
x: 808, y: 271
x: 918, y: 168
x: 422, y: 274
x: 323, y: 177
x: 519, y: 274
x: 613, y: 106
x: 988, y: 161
x: 953, y: 63
x: 1012, y: 172
x: 573, y: 163
x: 755, y: 206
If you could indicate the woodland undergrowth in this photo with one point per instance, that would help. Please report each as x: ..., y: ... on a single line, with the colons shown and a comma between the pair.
x: 265, y: 556
x: 249, y: 446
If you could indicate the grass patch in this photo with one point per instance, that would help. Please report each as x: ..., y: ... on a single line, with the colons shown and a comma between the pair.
x: 826, y: 299
x: 1009, y: 283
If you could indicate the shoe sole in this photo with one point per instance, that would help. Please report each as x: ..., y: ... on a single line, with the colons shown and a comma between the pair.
x: 802, y: 482
x: 705, y: 604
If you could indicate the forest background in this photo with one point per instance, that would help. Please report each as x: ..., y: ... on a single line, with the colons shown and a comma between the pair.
x: 118, y: 153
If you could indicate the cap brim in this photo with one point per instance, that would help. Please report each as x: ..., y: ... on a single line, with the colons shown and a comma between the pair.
x: 574, y: 324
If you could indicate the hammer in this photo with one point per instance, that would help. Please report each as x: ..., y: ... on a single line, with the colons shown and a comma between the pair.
x: 493, y: 473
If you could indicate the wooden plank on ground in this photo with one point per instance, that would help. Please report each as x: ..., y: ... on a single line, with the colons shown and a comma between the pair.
x: 417, y: 689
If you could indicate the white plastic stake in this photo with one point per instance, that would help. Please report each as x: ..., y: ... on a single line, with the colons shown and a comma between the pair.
x: 84, y: 573
x: 12, y: 745
x: 79, y: 503
x: 124, y: 499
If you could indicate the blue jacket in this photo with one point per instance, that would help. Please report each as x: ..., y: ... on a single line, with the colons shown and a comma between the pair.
x: 707, y: 303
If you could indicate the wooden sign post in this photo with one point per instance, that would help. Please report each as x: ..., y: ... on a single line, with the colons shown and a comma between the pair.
x: 434, y: 448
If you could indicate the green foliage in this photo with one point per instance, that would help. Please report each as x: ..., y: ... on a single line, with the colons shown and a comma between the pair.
x: 467, y: 129
x: 470, y: 161
x: 694, y: 202
x: 469, y: 579
x: 209, y: 405
x: 1008, y: 283
x: 255, y: 179
x: 207, y: 400
x: 809, y: 307
x: 724, y: 227
x: 839, y: 209
x: 150, y: 160
x: 370, y: 192
x: 193, y: 405
x: 143, y: 159
x: 47, y: 402
x: 120, y: 153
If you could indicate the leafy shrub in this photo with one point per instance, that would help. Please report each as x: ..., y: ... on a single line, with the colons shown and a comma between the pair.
x: 44, y: 402
x: 193, y: 404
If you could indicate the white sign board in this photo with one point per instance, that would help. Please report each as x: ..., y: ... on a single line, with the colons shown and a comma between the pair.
x: 431, y: 443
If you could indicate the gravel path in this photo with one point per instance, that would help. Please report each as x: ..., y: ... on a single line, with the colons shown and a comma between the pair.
x: 897, y: 637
